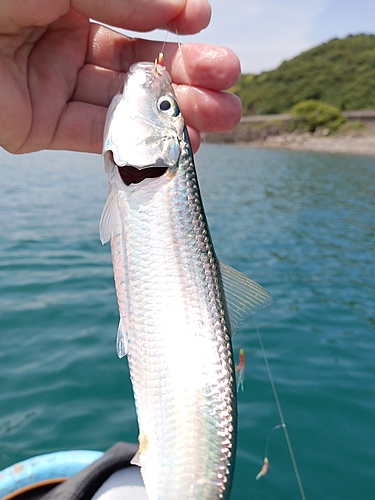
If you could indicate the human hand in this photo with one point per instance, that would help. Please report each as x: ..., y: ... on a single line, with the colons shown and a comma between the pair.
x: 59, y: 71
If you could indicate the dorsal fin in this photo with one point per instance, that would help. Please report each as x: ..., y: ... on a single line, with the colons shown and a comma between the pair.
x: 243, y: 296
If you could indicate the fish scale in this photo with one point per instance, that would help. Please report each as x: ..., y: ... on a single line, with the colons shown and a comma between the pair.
x: 174, y: 320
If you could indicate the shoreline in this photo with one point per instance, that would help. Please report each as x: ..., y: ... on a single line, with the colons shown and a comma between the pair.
x: 274, y: 135
x: 341, y: 144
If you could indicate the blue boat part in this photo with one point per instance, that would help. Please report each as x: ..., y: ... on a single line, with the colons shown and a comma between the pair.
x: 61, y: 464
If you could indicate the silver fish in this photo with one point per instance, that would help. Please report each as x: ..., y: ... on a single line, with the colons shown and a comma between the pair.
x: 178, y: 306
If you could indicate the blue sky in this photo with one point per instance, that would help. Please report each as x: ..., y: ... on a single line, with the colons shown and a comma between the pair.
x: 263, y: 33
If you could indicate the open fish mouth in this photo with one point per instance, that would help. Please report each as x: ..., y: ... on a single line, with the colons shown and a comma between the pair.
x: 132, y: 175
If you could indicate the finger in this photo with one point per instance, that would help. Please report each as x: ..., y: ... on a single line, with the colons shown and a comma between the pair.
x: 146, y: 15
x: 209, y: 111
x: 195, y: 139
x: 96, y: 85
x: 200, y: 65
x: 30, y: 13
x: 193, y: 19
x: 81, y: 129
x: 216, y: 68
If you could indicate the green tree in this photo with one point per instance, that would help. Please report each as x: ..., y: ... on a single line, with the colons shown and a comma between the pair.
x: 339, y: 72
x: 312, y: 114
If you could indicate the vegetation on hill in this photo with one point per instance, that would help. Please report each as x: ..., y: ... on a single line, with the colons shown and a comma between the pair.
x: 313, y: 114
x: 339, y: 72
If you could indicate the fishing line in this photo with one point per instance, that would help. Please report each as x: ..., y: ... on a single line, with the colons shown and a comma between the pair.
x: 282, y: 420
x: 165, y: 42
x: 282, y: 425
x: 181, y: 56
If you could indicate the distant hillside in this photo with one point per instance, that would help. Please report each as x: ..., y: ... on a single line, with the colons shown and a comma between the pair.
x: 339, y: 72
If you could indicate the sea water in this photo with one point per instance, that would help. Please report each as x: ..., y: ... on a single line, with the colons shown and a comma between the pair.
x: 301, y: 224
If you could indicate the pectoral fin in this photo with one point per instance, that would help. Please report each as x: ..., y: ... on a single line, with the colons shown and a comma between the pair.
x: 122, y: 339
x: 110, y: 221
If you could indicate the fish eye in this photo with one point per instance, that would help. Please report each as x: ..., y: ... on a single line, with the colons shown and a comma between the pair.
x: 168, y: 106
x: 165, y: 105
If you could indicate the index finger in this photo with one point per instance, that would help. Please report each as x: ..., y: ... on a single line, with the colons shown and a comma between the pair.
x: 206, y: 66
x: 187, y: 16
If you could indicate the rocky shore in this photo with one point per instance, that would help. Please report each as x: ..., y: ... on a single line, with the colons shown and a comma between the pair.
x: 347, y: 144
x: 275, y: 135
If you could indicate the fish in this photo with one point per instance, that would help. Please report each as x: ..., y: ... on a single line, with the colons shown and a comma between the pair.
x: 178, y: 305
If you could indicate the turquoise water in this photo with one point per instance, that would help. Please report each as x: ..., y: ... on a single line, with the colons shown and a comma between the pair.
x: 302, y: 225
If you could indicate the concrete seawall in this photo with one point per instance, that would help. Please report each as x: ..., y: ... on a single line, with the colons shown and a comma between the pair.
x: 273, y: 131
x: 367, y: 117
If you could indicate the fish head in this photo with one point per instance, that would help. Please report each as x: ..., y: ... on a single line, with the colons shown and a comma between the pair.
x: 144, y: 126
